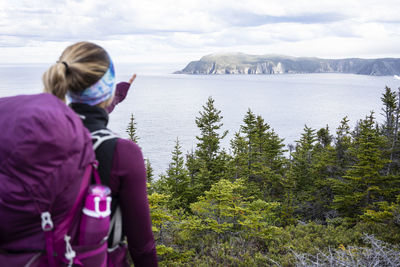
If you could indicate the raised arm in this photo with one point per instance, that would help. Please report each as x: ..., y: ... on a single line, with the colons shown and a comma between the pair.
x: 121, y: 91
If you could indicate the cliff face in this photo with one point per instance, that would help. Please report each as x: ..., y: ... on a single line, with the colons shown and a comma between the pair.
x: 251, y: 64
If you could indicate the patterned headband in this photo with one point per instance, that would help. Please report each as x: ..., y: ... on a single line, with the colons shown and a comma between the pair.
x: 98, y: 92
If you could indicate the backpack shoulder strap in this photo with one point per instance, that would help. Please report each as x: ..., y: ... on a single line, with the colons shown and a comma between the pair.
x: 101, y: 136
x: 104, y: 141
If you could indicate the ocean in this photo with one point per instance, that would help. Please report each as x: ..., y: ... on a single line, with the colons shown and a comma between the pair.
x: 165, y: 105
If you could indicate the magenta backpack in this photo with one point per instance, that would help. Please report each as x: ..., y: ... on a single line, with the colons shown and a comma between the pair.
x: 47, y: 164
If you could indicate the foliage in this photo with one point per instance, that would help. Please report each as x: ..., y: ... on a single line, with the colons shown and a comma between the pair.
x: 334, y: 200
x: 224, y: 210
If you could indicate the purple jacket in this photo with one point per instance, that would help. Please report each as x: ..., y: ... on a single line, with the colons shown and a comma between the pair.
x: 127, y: 182
x: 44, y: 149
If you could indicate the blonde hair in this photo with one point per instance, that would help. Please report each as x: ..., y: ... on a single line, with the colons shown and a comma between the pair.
x: 79, y: 66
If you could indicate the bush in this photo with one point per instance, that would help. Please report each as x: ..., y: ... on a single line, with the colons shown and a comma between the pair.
x: 378, y: 254
x: 309, y: 238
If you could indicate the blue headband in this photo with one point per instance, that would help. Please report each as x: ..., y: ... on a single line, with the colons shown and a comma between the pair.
x: 102, y: 90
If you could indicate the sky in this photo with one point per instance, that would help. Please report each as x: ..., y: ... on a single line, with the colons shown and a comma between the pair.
x: 176, y: 32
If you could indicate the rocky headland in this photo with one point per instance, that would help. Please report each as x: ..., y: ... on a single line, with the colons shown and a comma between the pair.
x: 239, y: 63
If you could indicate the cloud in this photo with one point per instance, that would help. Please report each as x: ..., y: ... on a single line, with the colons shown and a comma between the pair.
x: 244, y: 18
x: 164, y: 30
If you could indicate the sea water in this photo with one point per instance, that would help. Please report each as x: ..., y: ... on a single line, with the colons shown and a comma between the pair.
x: 165, y: 106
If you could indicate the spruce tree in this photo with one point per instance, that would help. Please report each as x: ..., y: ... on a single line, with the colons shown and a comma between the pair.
x: 209, y: 123
x: 192, y: 165
x: 323, y: 168
x: 324, y: 137
x: 390, y: 129
x: 303, y: 159
x: 343, y: 143
x: 363, y: 184
x: 249, y: 131
x: 131, y: 130
x: 258, y: 157
x: 259, y: 144
x: 267, y: 168
x: 176, y: 182
x: 390, y: 113
x: 238, y: 167
x: 149, y: 171
x: 274, y: 152
x: 302, y: 176
x: 209, y: 161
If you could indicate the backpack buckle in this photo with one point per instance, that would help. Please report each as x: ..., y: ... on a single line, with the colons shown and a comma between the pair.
x: 47, y: 223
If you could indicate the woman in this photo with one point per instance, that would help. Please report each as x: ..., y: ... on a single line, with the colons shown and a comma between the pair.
x: 85, y: 75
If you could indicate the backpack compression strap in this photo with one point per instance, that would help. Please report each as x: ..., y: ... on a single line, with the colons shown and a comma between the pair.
x: 115, y: 229
x: 61, y: 230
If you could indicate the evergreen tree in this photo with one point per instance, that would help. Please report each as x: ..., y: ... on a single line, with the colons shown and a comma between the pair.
x: 363, y: 184
x: 390, y: 129
x: 209, y: 162
x: 390, y: 112
x: 149, y: 171
x: 312, y: 166
x: 267, y: 169
x: 151, y: 184
x: 274, y: 152
x: 324, y: 137
x: 343, y: 143
x: 301, y: 175
x: 249, y: 130
x: 209, y: 123
x: 239, y: 164
x: 131, y: 130
x: 302, y: 160
x: 323, y: 168
x: 192, y: 166
x: 258, y: 157
x: 176, y: 182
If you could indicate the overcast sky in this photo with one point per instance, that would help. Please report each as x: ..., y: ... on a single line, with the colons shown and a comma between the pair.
x: 176, y: 32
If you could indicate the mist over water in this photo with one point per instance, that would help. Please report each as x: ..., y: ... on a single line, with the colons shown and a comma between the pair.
x: 165, y: 105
